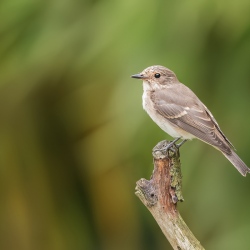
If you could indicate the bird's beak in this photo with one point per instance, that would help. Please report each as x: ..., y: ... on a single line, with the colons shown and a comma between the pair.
x: 138, y: 76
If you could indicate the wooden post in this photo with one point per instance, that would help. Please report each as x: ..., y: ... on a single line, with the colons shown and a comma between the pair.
x: 160, y: 195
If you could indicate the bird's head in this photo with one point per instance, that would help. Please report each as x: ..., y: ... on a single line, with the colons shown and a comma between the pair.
x: 157, y: 76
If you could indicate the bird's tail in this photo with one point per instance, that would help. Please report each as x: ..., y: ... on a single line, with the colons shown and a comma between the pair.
x: 237, y: 162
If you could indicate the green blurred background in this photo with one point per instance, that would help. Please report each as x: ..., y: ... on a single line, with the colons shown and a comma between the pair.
x: 74, y: 138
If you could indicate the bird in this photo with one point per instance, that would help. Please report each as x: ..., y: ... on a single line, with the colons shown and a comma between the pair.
x: 179, y: 112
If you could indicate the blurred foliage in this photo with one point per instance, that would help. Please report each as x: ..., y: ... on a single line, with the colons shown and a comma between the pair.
x: 74, y: 137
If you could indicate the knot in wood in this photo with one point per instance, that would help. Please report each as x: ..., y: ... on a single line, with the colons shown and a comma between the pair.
x: 148, y: 191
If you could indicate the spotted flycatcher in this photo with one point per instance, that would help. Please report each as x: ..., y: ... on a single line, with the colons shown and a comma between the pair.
x: 181, y: 114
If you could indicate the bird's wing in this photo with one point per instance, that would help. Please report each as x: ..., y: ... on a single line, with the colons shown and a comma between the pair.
x: 180, y: 106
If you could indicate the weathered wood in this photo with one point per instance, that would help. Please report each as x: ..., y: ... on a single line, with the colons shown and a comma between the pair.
x: 160, y: 195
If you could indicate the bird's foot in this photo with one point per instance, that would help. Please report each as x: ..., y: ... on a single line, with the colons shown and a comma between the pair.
x: 173, y: 146
x: 164, y: 147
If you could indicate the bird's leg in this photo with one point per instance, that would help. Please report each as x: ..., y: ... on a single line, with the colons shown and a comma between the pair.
x: 181, y: 143
x: 170, y: 145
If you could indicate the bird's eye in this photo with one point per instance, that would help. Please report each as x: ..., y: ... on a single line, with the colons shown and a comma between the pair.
x: 157, y: 75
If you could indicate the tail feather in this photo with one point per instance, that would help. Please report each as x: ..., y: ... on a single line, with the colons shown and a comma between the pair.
x: 237, y: 162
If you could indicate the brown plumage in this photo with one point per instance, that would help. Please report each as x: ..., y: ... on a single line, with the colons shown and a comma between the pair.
x: 180, y: 113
